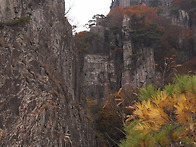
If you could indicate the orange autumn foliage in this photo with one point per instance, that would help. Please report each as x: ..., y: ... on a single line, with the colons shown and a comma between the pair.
x: 140, y: 10
x: 115, y: 17
x: 81, y: 35
x: 117, y: 13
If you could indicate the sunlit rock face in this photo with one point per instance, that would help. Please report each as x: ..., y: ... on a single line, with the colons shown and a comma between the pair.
x: 38, y: 102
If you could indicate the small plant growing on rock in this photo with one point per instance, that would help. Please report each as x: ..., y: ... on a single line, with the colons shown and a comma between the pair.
x: 19, y: 21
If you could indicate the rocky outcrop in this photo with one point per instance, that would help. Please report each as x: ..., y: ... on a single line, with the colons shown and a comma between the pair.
x: 139, y: 64
x: 134, y: 64
x: 187, y: 45
x: 181, y: 19
x: 99, y: 76
x: 126, y: 3
x: 126, y: 64
x: 38, y: 97
x: 153, y: 3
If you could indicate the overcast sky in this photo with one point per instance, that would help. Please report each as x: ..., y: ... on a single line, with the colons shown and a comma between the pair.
x: 81, y: 11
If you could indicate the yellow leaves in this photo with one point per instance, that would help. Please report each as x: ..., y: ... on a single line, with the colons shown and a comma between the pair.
x: 153, y: 113
x: 185, y: 108
x: 166, y: 118
x: 148, y: 111
x: 160, y: 99
x: 151, y: 116
x: 164, y: 101
x: 159, y: 116
x: 143, y: 110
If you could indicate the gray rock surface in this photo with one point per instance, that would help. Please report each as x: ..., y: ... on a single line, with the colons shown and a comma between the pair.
x: 99, y: 76
x: 126, y: 65
x: 126, y: 3
x: 38, y: 102
x: 139, y: 64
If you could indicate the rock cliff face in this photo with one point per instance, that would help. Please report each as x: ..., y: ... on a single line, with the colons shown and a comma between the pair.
x: 187, y: 49
x: 132, y: 64
x: 38, y: 102
x: 127, y: 3
x: 138, y: 61
x: 125, y: 65
x: 99, y: 76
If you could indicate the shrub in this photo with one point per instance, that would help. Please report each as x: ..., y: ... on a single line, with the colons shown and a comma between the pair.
x: 165, y: 118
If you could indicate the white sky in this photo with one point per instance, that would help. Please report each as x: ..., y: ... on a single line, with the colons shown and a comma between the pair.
x: 83, y: 10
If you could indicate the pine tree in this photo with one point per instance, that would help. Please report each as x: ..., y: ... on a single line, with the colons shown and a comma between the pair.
x: 165, y: 118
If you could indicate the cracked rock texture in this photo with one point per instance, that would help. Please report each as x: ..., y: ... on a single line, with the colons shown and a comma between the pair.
x: 38, y: 102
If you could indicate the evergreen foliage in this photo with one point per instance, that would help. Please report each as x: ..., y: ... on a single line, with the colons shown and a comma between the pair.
x: 165, y: 118
x: 147, y: 92
x: 23, y: 20
x: 19, y: 21
x: 143, y: 32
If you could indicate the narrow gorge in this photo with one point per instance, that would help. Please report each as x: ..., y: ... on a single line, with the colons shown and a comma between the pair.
x: 53, y: 84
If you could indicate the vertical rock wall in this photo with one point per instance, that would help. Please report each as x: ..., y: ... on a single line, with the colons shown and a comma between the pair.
x: 139, y: 64
x: 38, y: 103
x: 124, y: 3
x: 181, y: 19
x: 99, y: 76
x: 126, y: 65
